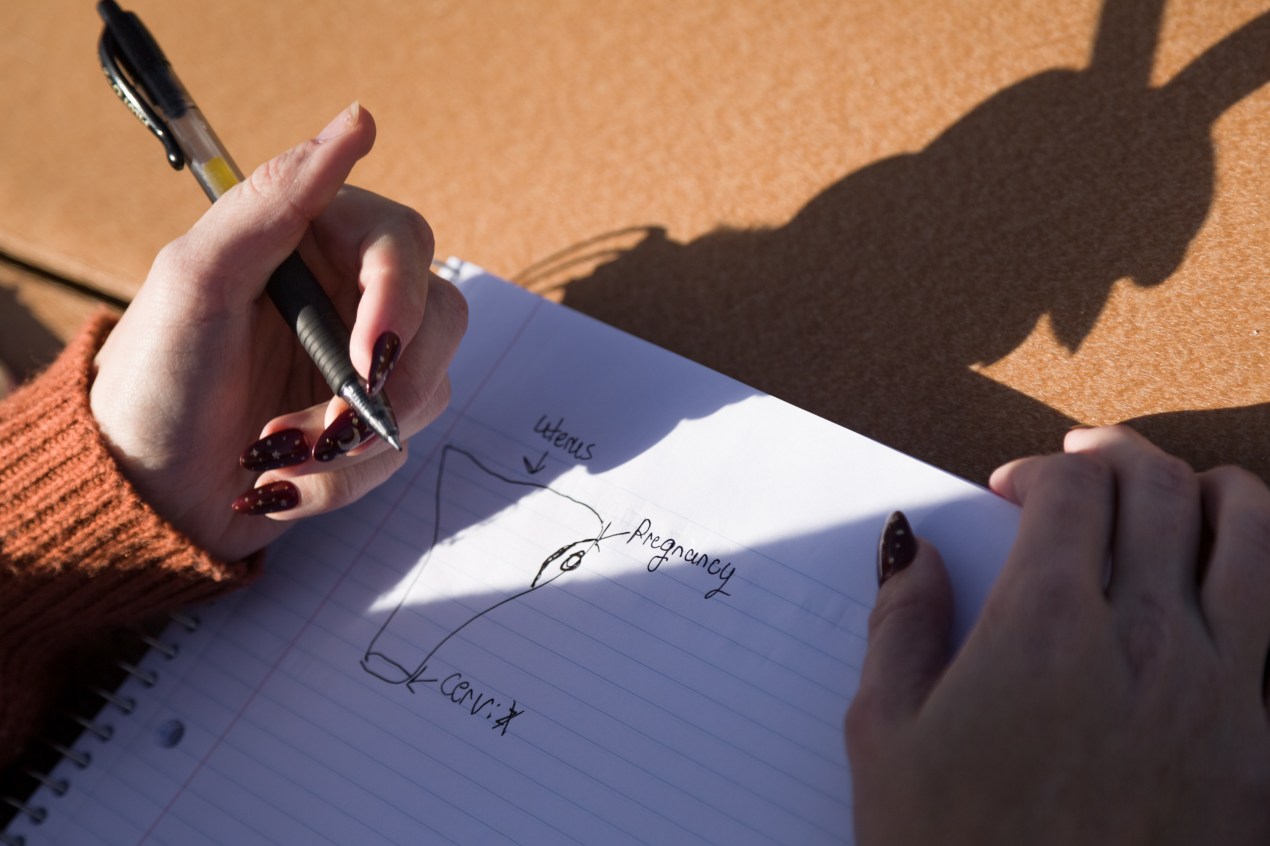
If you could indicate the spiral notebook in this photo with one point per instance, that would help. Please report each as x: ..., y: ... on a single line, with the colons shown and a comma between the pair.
x: 613, y: 597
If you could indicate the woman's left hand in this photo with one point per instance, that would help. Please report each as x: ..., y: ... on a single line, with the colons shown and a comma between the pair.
x: 1113, y: 688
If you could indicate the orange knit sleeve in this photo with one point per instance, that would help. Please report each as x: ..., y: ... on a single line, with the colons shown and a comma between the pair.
x: 79, y: 550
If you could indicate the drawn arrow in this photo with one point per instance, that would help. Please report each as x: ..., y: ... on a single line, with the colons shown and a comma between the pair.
x: 534, y: 468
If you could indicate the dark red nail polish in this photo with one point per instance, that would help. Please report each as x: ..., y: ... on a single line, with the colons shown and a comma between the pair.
x: 382, y: 360
x: 346, y: 433
x: 267, y: 499
x: 281, y: 449
x: 897, y: 547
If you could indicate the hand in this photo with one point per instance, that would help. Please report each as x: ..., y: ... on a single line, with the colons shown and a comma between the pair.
x: 201, y: 361
x: 1126, y: 706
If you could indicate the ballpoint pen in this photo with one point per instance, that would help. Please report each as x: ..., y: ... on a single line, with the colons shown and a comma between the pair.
x: 141, y: 75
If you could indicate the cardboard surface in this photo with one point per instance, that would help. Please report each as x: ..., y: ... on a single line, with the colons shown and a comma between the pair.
x: 955, y: 227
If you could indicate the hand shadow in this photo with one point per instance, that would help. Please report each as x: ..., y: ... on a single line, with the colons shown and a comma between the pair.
x: 871, y: 305
x: 27, y: 345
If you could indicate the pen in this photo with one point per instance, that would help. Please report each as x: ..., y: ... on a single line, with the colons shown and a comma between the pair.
x: 143, y: 78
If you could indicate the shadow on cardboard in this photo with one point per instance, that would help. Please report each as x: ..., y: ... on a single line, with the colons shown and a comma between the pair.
x: 871, y: 304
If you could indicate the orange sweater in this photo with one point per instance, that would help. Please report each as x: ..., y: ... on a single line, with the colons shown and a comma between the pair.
x: 79, y: 550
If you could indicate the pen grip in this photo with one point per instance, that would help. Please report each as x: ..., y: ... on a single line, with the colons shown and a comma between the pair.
x: 307, y: 309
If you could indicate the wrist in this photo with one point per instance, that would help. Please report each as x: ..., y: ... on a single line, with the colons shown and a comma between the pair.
x: 69, y: 505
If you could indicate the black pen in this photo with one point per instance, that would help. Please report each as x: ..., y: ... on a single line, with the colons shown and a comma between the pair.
x: 143, y: 78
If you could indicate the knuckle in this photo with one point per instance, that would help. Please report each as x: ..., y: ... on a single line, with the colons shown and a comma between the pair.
x: 174, y: 260
x: 405, y: 229
x: 1081, y: 472
x: 271, y: 182
x: 186, y: 275
x: 1168, y: 475
x: 1147, y: 633
x: 1248, y: 526
x: 417, y: 229
x: 266, y: 177
x: 447, y: 304
x: 891, y: 604
x: 1238, y: 482
x: 1052, y: 620
x: 339, y: 488
x: 1237, y: 505
x: 1075, y: 482
x: 1232, y: 475
x: 857, y: 721
x: 863, y: 718
x: 1058, y: 596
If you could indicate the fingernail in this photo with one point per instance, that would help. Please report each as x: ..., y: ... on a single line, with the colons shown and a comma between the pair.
x: 268, y: 499
x: 897, y: 547
x: 346, y: 433
x: 382, y: 360
x: 342, y: 123
x: 281, y: 449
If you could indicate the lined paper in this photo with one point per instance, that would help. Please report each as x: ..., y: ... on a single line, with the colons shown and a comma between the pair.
x: 613, y: 597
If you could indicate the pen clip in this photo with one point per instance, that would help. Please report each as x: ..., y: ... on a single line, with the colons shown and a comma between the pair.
x: 113, y: 63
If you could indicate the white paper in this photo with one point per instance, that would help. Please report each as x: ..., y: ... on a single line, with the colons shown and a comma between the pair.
x: 613, y: 597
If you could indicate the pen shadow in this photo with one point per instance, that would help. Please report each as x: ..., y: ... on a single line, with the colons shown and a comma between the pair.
x: 871, y: 306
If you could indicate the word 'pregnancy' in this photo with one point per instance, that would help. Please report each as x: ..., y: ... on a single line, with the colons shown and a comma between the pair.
x: 666, y: 547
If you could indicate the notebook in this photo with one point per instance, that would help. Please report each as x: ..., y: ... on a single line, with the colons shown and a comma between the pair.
x: 613, y: 597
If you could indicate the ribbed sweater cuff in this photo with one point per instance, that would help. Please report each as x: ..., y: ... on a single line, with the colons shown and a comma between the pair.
x: 79, y: 549
x: 68, y: 506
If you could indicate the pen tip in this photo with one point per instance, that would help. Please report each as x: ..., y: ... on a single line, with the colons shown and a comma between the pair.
x: 394, y: 442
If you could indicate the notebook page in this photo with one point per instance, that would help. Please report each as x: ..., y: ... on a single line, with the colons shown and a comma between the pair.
x: 613, y: 597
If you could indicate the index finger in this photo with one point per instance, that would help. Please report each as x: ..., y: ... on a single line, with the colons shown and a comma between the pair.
x: 388, y: 248
x: 1066, y: 527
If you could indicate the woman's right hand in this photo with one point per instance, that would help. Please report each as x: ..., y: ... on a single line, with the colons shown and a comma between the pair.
x: 201, y: 371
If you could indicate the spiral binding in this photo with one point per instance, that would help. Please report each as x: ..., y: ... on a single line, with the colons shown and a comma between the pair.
x: 103, y: 731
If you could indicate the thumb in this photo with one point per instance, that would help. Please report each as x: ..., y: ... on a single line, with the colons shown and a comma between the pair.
x: 256, y: 224
x: 909, y: 629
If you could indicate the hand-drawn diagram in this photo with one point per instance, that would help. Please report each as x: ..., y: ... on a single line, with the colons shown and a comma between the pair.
x: 495, y: 540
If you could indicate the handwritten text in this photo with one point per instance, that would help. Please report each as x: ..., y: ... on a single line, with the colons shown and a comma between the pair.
x: 667, y: 547
x: 460, y: 691
x: 555, y: 434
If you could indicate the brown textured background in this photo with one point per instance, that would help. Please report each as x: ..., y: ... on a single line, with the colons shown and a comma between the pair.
x: 957, y: 226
